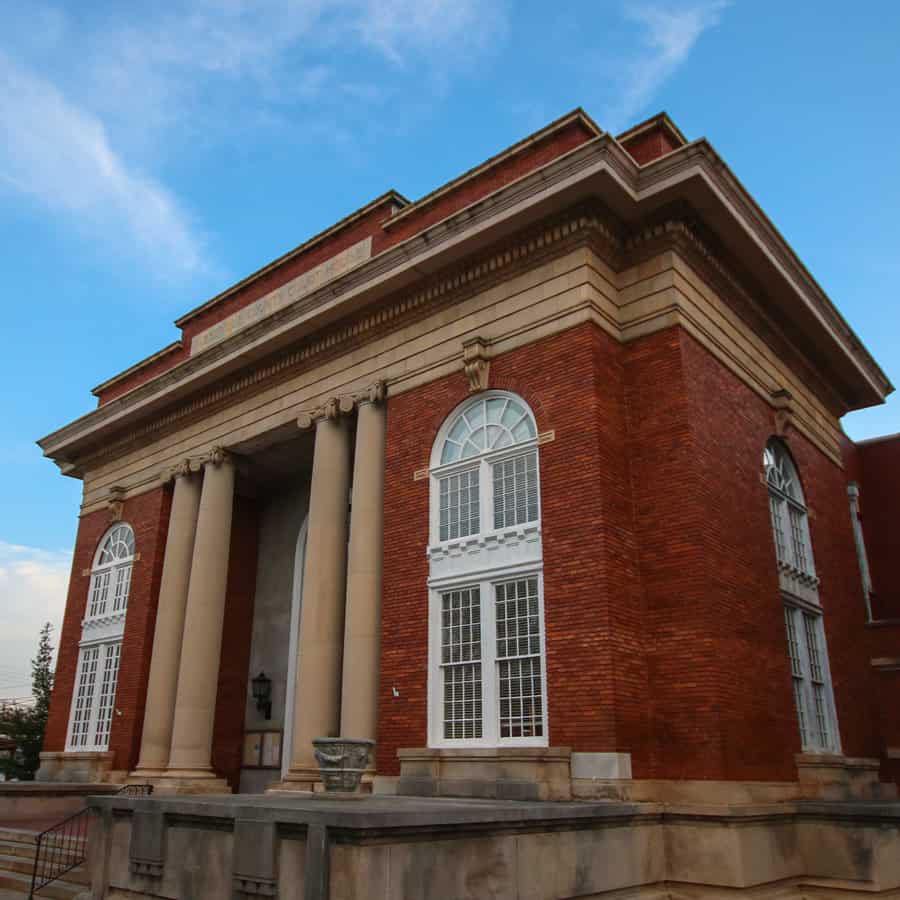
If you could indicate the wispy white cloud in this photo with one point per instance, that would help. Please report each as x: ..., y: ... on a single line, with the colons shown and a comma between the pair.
x: 33, y: 584
x: 99, y: 107
x: 60, y: 154
x: 667, y: 34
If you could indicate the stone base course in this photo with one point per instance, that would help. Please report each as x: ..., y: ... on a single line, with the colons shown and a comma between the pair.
x: 312, y: 847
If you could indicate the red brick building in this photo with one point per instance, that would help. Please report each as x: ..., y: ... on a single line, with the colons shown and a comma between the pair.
x: 538, y: 481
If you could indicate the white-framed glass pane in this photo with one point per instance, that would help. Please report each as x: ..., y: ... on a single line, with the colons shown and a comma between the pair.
x: 515, y: 490
x: 99, y: 594
x: 798, y: 537
x: 461, y: 664
x: 122, y: 587
x: 107, y: 695
x: 776, y: 510
x: 84, y: 697
x: 519, y: 668
x: 458, y: 505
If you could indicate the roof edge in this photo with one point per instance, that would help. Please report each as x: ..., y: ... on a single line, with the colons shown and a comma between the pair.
x: 575, y: 115
x: 387, y: 196
x: 660, y: 119
x: 146, y: 361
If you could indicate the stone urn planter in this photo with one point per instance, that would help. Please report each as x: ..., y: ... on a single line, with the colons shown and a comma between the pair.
x: 342, y: 762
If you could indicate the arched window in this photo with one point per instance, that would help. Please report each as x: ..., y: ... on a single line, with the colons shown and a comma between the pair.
x: 94, y: 696
x: 807, y: 650
x: 111, y: 574
x: 486, y: 675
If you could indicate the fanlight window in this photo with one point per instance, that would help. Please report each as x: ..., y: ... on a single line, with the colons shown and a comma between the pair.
x: 485, y: 425
x: 118, y: 546
x: 111, y: 575
x: 788, y: 510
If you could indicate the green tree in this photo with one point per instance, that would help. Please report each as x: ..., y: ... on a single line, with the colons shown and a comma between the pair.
x: 26, y: 724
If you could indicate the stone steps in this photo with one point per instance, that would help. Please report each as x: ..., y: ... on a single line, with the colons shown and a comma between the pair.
x: 17, y: 850
x: 21, y: 884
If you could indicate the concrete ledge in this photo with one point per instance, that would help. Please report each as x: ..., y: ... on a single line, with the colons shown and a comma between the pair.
x: 25, y: 800
x: 87, y: 766
x: 312, y: 847
x: 505, y: 773
x: 829, y: 776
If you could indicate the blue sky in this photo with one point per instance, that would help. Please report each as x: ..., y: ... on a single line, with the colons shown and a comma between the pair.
x: 152, y: 154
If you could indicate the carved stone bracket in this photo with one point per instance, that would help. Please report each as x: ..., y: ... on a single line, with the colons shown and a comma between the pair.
x: 783, y: 401
x: 476, y: 363
x: 115, y: 501
x: 342, y: 405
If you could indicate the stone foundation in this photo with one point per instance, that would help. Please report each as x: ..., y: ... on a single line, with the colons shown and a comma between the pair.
x: 94, y: 767
x: 526, y: 773
x: 404, y: 848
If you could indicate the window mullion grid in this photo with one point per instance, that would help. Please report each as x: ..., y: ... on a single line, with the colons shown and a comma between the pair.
x: 491, y: 673
x: 812, y: 632
x: 798, y: 680
x: 809, y: 706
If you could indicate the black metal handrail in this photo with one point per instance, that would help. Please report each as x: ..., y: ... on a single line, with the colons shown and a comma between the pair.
x: 63, y: 846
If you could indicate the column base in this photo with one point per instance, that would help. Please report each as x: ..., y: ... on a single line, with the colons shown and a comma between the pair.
x: 303, y: 778
x: 180, y: 781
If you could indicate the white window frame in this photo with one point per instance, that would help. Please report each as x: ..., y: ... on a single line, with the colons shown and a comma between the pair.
x: 490, y: 694
x: 803, y: 612
x: 800, y: 599
x: 106, y: 650
x: 483, y: 559
x: 102, y: 630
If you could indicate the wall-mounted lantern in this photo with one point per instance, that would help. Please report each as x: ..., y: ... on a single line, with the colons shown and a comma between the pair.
x: 262, y: 694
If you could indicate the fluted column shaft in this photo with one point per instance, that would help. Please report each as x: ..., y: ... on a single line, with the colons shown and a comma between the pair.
x: 198, y: 673
x: 156, y: 737
x: 320, y: 647
x: 362, y: 629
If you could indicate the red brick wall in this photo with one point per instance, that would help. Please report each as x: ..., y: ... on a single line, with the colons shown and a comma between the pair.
x: 592, y: 610
x: 880, y: 509
x: 665, y: 630
x: 148, y: 515
x: 650, y: 145
x: 494, y: 177
x: 840, y: 590
x: 231, y: 698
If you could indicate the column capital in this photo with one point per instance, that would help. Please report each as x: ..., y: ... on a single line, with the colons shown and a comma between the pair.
x: 341, y: 405
x: 182, y: 469
x: 218, y: 456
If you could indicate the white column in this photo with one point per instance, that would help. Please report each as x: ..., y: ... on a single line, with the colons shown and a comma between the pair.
x: 156, y: 737
x: 362, y: 628
x: 320, y: 647
x: 198, y: 674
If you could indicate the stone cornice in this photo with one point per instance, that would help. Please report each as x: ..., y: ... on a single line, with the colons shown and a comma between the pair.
x: 601, y: 156
x: 474, y: 275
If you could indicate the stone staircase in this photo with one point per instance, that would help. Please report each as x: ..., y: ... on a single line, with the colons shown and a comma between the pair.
x: 17, y: 849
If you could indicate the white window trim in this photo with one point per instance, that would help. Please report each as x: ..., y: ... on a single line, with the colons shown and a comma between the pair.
x: 104, y: 630
x: 483, y: 559
x: 800, y: 591
x: 489, y: 664
x: 91, y: 745
x: 834, y: 734
x: 484, y: 464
